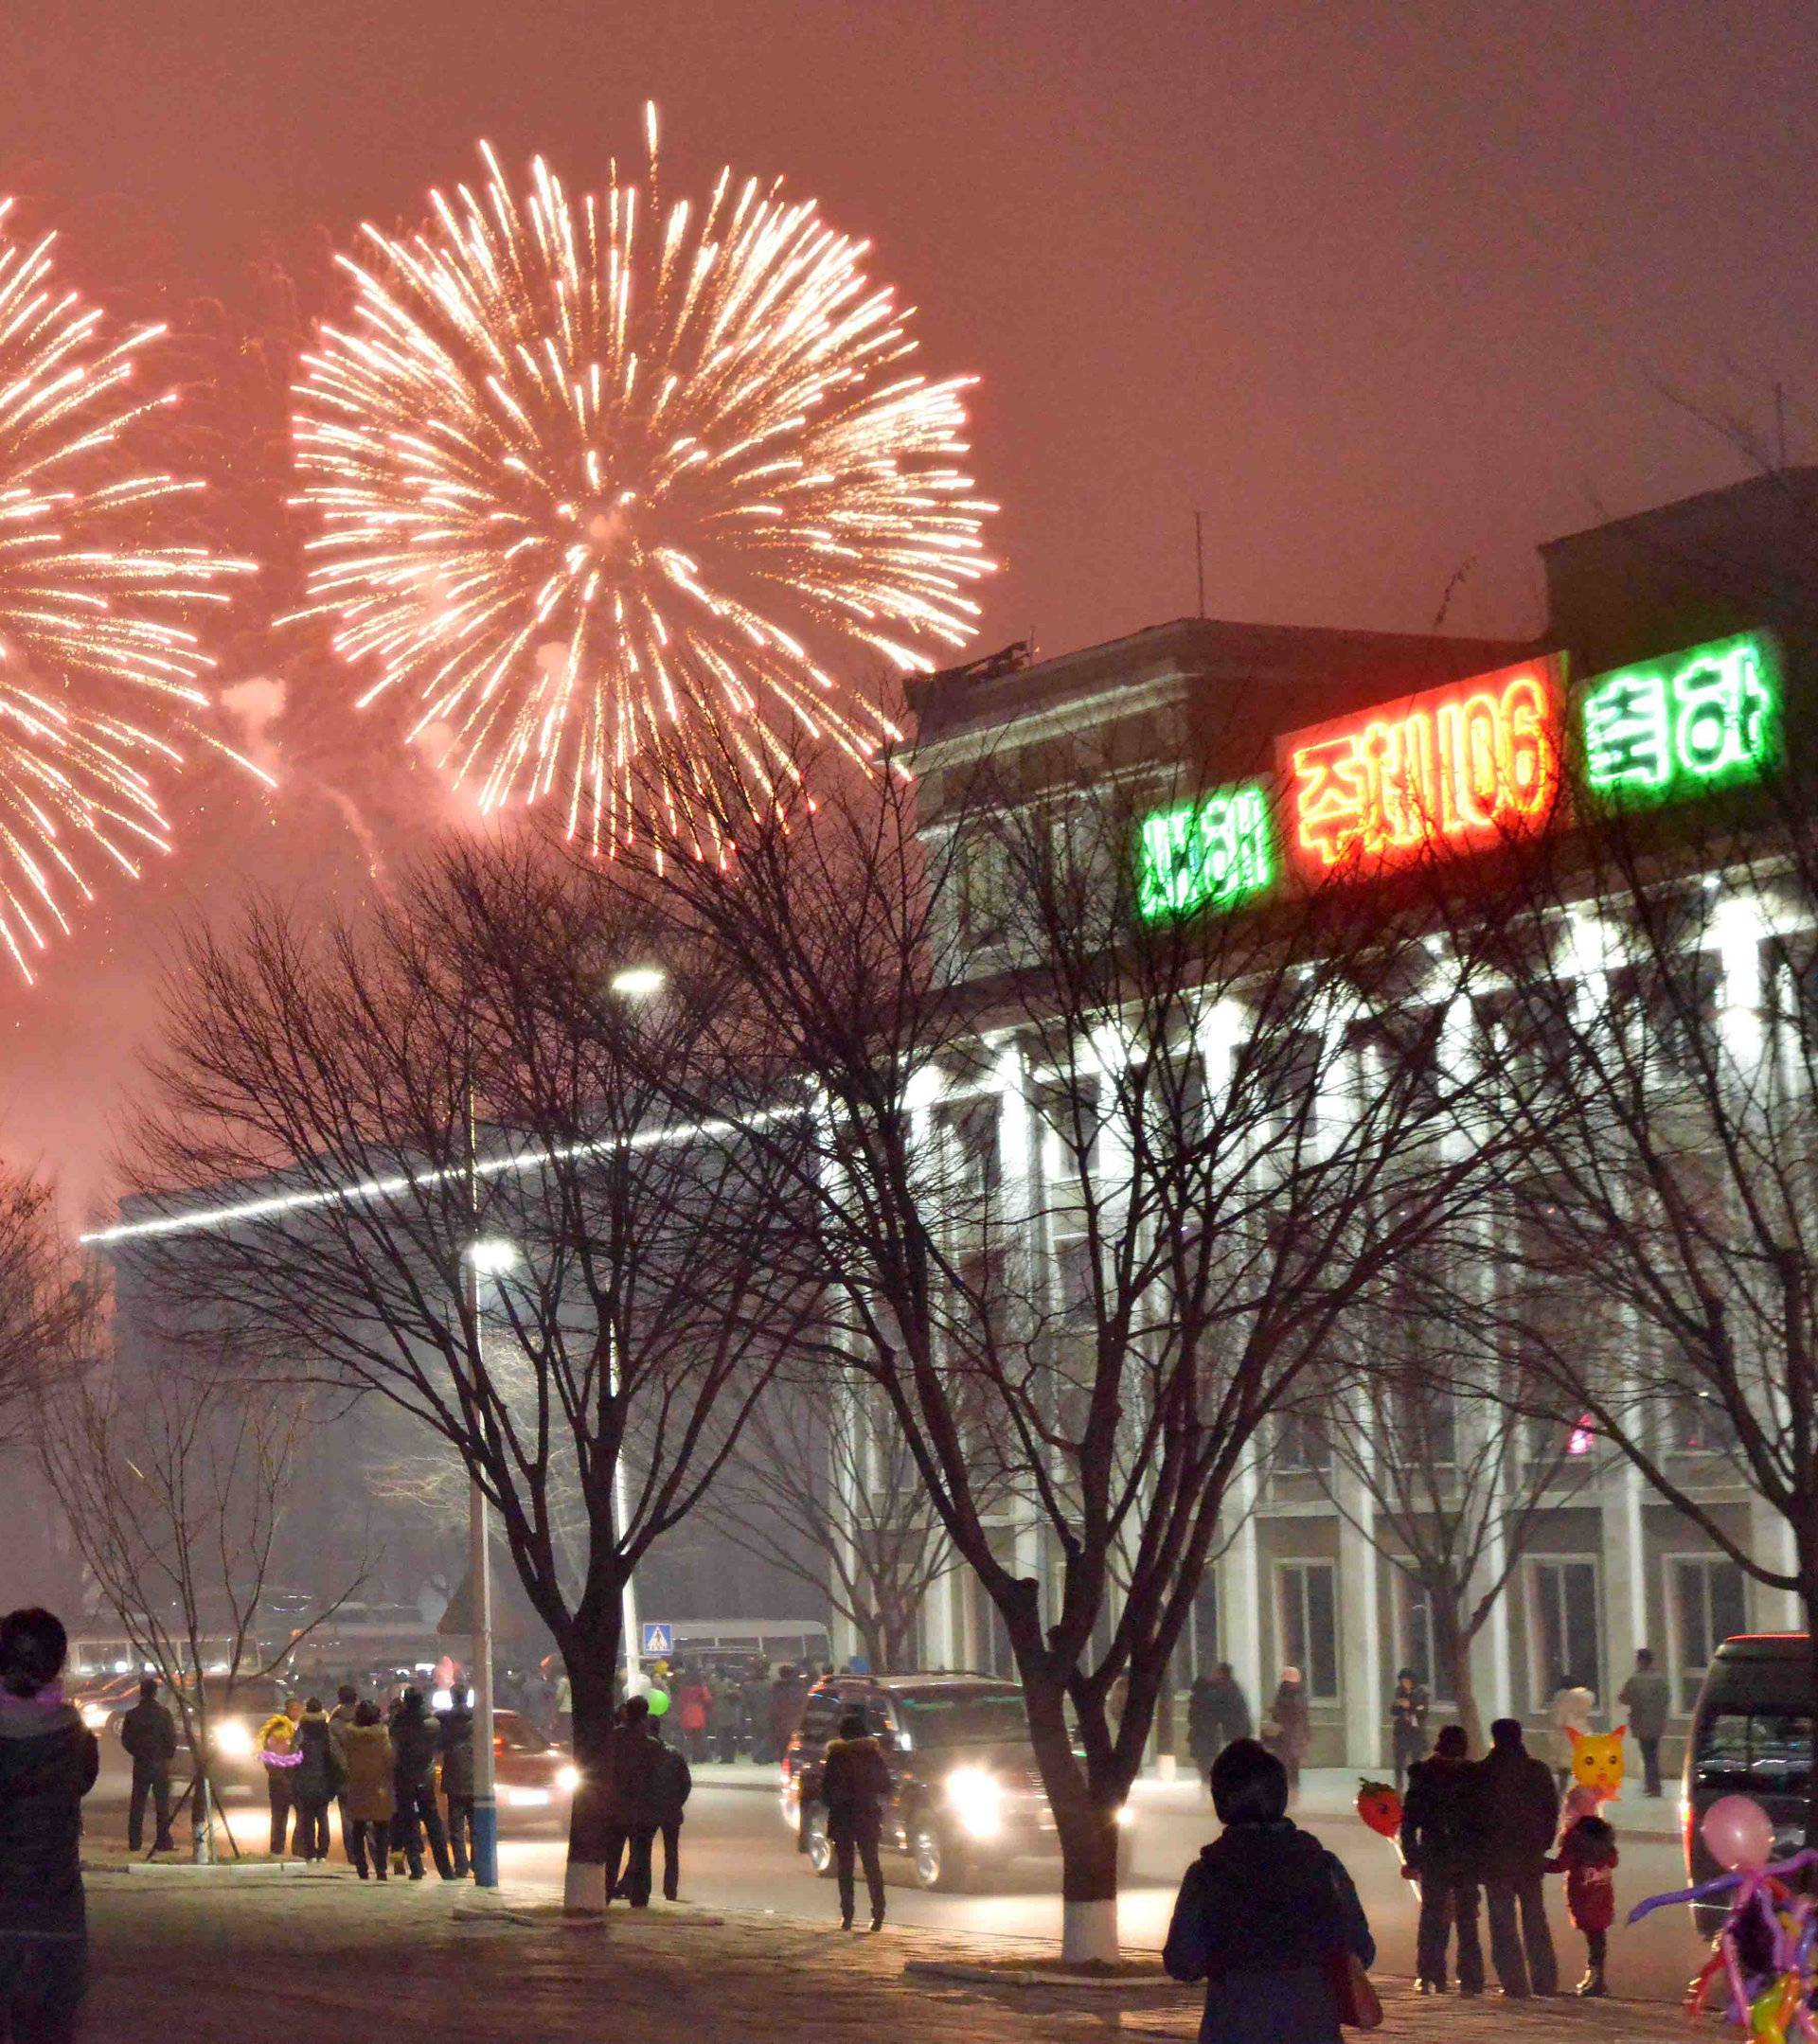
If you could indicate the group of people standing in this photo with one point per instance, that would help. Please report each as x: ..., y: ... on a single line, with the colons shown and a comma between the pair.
x: 643, y: 1798
x: 384, y: 1769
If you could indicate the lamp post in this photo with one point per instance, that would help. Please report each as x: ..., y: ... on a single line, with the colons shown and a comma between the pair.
x: 489, y: 1258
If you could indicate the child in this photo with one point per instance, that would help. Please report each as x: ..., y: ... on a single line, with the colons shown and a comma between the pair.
x: 47, y: 1765
x: 1587, y: 1857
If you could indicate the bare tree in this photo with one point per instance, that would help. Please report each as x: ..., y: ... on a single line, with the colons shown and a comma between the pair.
x: 177, y: 1483
x: 46, y: 1303
x: 828, y: 1492
x: 1094, y: 1187
x: 454, y: 1082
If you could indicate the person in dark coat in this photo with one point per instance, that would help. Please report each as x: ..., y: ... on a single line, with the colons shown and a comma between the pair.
x: 457, y: 1782
x: 754, y: 1697
x: 48, y: 1762
x: 788, y: 1692
x: 1264, y: 1914
x: 347, y: 1700
x: 1649, y: 1701
x: 633, y: 1806
x: 315, y: 1782
x: 416, y: 1745
x: 1521, y: 1812
x: 1442, y: 1849
x: 673, y: 1786
x: 1217, y: 1712
x: 853, y: 1785
x: 148, y: 1732
x: 1408, y: 1705
x: 1289, y: 1733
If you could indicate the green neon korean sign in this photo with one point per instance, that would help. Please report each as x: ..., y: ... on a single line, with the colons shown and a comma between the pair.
x: 1209, y: 854
x: 1685, y: 724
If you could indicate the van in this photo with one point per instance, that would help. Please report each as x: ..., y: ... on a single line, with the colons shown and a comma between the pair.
x: 1751, y: 1736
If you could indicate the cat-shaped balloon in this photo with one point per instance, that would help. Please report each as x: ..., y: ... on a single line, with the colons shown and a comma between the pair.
x: 1596, y: 1761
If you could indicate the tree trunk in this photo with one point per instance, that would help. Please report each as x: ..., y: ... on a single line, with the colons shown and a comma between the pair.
x: 591, y: 1657
x: 1451, y: 1646
x: 1085, y: 1820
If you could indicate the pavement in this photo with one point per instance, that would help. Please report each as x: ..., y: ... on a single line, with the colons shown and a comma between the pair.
x: 217, y: 1955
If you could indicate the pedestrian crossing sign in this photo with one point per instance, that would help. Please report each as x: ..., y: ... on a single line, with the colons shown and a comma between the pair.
x: 659, y: 1642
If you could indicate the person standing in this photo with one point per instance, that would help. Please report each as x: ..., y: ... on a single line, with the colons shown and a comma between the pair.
x: 48, y: 1762
x: 347, y: 1700
x: 457, y: 1780
x: 279, y: 1756
x: 674, y: 1784
x: 723, y: 1717
x: 415, y: 1743
x: 314, y: 1783
x: 692, y: 1700
x: 562, y: 1702
x: 755, y: 1700
x: 369, y: 1799
x: 1441, y: 1848
x: 1408, y: 1707
x: 1264, y: 1914
x: 1648, y: 1699
x: 1289, y: 1733
x: 854, y: 1787
x: 1521, y: 1813
x: 633, y: 1810
x: 1588, y: 1859
x: 150, y: 1735
x: 788, y: 1692
x: 1573, y: 1707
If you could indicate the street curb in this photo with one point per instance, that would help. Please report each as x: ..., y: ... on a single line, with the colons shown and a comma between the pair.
x: 242, y: 1869
x: 955, y: 1969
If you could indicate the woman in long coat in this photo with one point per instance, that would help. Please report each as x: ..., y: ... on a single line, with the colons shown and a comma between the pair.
x: 1292, y: 1733
x: 1266, y: 1916
x: 370, y: 1799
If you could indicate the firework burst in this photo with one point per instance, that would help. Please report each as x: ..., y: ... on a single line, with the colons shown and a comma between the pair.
x: 101, y: 671
x: 604, y: 487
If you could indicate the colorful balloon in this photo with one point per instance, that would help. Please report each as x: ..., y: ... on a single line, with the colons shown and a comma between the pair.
x: 658, y: 1700
x: 1738, y: 1832
x: 1380, y: 1807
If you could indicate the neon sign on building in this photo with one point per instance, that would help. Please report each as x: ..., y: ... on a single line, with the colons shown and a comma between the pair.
x: 1211, y: 853
x: 1679, y: 726
x: 1459, y: 768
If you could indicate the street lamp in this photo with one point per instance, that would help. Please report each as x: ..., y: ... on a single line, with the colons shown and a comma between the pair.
x: 638, y: 983
x: 491, y: 1257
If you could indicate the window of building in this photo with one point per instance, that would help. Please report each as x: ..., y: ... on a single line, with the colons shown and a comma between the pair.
x: 984, y: 872
x: 1307, y: 1624
x: 1707, y: 1602
x: 973, y: 1158
x: 1203, y: 1654
x: 1070, y: 1115
x: 1303, y: 1446
x: 1075, y: 1295
x: 1415, y: 1638
x: 1565, y: 1629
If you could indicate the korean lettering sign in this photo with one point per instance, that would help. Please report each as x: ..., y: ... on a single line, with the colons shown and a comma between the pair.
x: 1461, y: 768
x: 1684, y: 724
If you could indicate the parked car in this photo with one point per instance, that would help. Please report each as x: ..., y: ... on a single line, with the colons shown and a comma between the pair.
x: 967, y: 1799
x: 1751, y: 1736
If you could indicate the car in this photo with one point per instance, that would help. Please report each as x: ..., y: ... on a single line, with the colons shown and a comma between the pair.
x: 105, y: 1701
x: 1751, y: 1736
x: 529, y: 1772
x: 966, y: 1798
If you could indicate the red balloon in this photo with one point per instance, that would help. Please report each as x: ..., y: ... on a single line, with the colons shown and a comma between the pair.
x: 1380, y: 1807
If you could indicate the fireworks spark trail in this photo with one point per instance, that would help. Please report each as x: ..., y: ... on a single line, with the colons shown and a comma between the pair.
x: 605, y: 493
x: 101, y: 667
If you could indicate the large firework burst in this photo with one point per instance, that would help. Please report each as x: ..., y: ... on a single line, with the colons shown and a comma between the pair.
x: 604, y: 487
x: 100, y: 667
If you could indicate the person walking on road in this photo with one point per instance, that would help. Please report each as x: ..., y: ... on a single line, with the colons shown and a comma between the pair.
x: 1408, y: 1706
x: 1521, y: 1814
x: 634, y: 1807
x: 315, y: 1782
x: 675, y: 1785
x: 1649, y: 1701
x: 416, y: 1745
x: 1287, y: 1733
x: 370, y: 1798
x: 150, y: 1735
x: 853, y: 1788
x: 48, y: 1762
x: 457, y: 1780
x: 279, y: 1756
x: 1442, y: 1849
x: 1264, y: 1914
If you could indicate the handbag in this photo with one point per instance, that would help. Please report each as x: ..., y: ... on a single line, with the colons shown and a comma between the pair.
x: 1354, y: 1995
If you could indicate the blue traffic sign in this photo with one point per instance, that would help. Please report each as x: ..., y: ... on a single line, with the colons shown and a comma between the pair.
x: 659, y: 1642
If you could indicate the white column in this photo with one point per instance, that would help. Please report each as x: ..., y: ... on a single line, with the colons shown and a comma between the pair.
x: 1771, y: 1537
x: 1359, y: 1639
x: 1624, y: 1606
x: 1241, y: 1596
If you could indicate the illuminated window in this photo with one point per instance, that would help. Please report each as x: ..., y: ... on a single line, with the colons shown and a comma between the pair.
x: 1464, y: 767
x: 1212, y: 853
x: 1307, y: 1624
x: 1675, y: 727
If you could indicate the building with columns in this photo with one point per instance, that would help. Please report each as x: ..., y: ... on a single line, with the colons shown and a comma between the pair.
x: 1607, y: 1568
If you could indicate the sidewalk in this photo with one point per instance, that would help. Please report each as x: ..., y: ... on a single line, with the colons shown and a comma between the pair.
x: 217, y: 1958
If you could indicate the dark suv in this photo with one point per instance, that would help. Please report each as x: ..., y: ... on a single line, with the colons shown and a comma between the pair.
x: 966, y: 1793
x: 1751, y: 1736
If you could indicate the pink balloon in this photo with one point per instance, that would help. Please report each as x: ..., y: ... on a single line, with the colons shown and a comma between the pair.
x: 1738, y: 1832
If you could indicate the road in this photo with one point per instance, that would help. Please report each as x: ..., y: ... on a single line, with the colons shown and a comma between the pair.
x: 737, y: 1855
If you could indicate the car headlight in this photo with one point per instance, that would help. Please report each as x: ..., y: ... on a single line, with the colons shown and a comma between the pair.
x: 526, y: 1799
x: 1124, y: 1817
x: 232, y: 1738
x: 977, y: 1798
x: 568, y: 1780
x: 94, y: 1715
